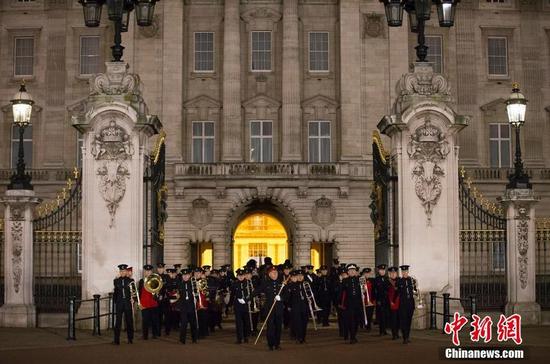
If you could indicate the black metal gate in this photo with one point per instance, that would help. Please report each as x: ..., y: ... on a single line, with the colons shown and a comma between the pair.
x: 57, y: 249
x: 482, y: 248
x: 383, y: 203
x: 155, y: 198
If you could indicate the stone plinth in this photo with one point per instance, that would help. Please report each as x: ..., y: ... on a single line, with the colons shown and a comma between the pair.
x: 18, y: 309
x: 521, y: 255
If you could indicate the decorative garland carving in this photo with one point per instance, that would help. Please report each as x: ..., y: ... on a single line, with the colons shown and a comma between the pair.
x: 17, y: 252
x: 112, y: 145
x: 523, y: 244
x: 423, y: 82
x: 115, y: 82
x: 427, y: 148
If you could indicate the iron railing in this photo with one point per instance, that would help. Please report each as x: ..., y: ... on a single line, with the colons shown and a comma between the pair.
x: 471, y: 302
x: 72, y: 309
x: 543, y: 263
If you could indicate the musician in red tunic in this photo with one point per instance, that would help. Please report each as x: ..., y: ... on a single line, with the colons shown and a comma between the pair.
x: 369, y: 297
x: 149, y: 307
x: 393, y: 299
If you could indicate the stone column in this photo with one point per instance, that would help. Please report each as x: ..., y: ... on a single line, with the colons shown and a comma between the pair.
x: 423, y: 133
x: 350, y: 80
x: 291, y: 108
x: 18, y: 309
x: 521, y: 255
x: 116, y: 130
x: 232, y: 120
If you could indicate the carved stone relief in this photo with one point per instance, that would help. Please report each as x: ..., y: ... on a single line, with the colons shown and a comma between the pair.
x: 427, y: 148
x: 323, y: 212
x: 200, y: 213
x: 112, y: 146
x: 523, y: 244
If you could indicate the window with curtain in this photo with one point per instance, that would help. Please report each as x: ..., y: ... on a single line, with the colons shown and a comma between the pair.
x: 497, y: 56
x: 435, y: 52
x: 261, y: 141
x: 24, y: 56
x: 500, y: 145
x: 318, y: 51
x: 261, y: 51
x: 204, y: 52
x: 27, y: 145
x: 319, y: 141
x: 203, y: 142
x: 89, y: 55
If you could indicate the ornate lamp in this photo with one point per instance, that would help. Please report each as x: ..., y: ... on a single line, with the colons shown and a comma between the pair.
x: 516, y: 106
x: 394, y: 12
x: 446, y: 12
x: 92, y: 11
x: 22, y: 109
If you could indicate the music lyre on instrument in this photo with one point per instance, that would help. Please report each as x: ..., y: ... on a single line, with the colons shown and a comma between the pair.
x: 311, y: 302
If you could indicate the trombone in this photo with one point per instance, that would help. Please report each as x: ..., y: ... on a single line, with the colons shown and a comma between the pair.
x: 363, y: 283
x: 251, y: 307
x: 134, y: 293
x: 197, y: 297
x: 311, y: 302
x: 416, y: 292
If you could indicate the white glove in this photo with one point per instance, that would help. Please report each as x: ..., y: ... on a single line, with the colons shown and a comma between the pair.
x: 277, y: 298
x: 241, y: 301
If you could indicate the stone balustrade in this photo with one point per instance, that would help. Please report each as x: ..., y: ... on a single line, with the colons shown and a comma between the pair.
x: 501, y: 174
x: 38, y: 175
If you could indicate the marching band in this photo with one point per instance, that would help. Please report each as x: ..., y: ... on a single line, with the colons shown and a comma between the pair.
x: 277, y: 296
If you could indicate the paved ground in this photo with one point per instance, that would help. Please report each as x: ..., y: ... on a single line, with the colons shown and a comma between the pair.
x: 50, y: 346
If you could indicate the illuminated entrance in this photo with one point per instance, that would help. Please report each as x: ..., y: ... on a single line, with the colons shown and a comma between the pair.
x: 257, y: 236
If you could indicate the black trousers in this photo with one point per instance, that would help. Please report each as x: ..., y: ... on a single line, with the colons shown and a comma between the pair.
x: 370, y: 312
x: 324, y: 303
x: 150, y: 320
x: 353, y: 316
x: 255, y: 319
x: 242, y: 323
x: 405, y: 319
x: 394, y: 323
x: 274, y: 328
x: 342, y: 324
x: 298, y: 322
x: 187, y: 316
x: 203, y: 323
x: 383, y: 316
x: 126, y: 310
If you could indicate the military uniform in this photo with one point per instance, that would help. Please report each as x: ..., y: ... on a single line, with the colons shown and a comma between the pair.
x: 149, y: 309
x: 393, y: 300
x: 186, y: 305
x: 122, y: 297
x: 323, y: 295
x: 337, y: 294
x: 171, y: 317
x: 240, y: 298
x: 405, y: 289
x: 352, y: 302
x: 299, y: 309
x: 369, y: 299
x: 380, y: 293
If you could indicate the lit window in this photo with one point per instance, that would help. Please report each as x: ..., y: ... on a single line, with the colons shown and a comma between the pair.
x: 261, y: 141
x: 89, y: 55
x: 499, y: 140
x: 318, y: 51
x: 319, y: 141
x: 204, y: 52
x: 261, y: 51
x: 435, y: 54
x: 203, y: 142
x: 27, y: 145
x: 24, y: 57
x: 497, y: 56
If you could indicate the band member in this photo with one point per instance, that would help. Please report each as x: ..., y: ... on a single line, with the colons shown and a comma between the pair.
x: 240, y: 299
x: 352, y: 301
x: 163, y: 302
x: 171, y: 317
x: 342, y: 325
x: 275, y: 293
x: 253, y: 277
x: 323, y: 294
x: 215, y: 299
x: 202, y: 308
x: 369, y: 297
x: 380, y: 292
x: 187, y: 307
x: 393, y: 299
x: 149, y: 307
x: 406, y: 287
x: 287, y: 267
x: 122, y: 297
x: 298, y: 306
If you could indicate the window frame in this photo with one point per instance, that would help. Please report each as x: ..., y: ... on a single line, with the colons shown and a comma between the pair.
x: 261, y: 137
x: 270, y: 51
x: 506, y: 43
x: 441, y: 54
x: 319, y: 137
x: 15, y: 39
x: 203, y: 137
x: 79, y: 146
x: 99, y: 56
x: 195, y: 70
x: 15, y: 140
x: 309, y: 51
x: 499, y: 140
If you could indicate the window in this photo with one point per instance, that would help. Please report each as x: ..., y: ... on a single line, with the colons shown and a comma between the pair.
x: 318, y: 51
x: 497, y: 1
x: 203, y: 142
x: 261, y: 141
x: 24, y: 57
x: 79, y: 145
x: 204, y: 52
x: 79, y: 257
x: 319, y: 141
x: 435, y: 54
x: 499, y: 256
x: 27, y: 145
x: 89, y: 55
x: 499, y: 140
x: 497, y: 56
x: 261, y: 51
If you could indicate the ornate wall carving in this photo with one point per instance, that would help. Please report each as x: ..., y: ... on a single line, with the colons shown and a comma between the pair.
x: 200, y: 213
x: 113, y: 147
x: 323, y: 212
x: 523, y: 244
x: 427, y: 148
x: 17, y: 218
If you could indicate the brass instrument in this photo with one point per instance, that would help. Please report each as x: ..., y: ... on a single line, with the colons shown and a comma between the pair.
x: 367, y: 295
x: 254, y: 301
x: 134, y: 293
x: 363, y: 284
x: 153, y: 283
x: 249, y: 289
x: 197, y: 297
x: 417, y: 293
x: 311, y: 302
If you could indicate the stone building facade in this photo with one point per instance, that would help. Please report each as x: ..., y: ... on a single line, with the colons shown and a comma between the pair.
x: 270, y: 105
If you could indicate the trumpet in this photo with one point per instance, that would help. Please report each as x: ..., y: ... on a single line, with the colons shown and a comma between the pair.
x: 311, y: 302
x: 363, y: 283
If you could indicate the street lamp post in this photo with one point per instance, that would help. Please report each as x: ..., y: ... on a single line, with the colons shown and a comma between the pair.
x: 22, y: 108
x: 419, y: 12
x: 118, y: 11
x: 516, y: 106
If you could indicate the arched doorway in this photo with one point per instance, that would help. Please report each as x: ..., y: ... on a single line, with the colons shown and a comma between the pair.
x: 260, y: 234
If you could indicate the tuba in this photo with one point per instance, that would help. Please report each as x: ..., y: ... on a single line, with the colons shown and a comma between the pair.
x: 153, y: 283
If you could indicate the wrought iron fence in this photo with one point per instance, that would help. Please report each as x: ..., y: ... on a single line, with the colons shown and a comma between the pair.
x: 543, y: 263
x: 57, y: 253
x: 482, y: 249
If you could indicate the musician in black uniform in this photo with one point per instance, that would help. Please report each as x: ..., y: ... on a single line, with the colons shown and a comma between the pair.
x: 380, y: 292
x: 216, y: 300
x: 287, y: 268
x: 406, y: 288
x: 369, y: 296
x: 298, y: 306
x: 255, y: 279
x: 275, y: 294
x: 149, y: 306
x: 352, y: 301
x: 240, y: 298
x: 393, y: 300
x: 171, y: 317
x: 200, y: 276
x: 342, y: 325
x: 186, y: 304
x: 323, y: 294
x: 122, y: 297
x: 164, y: 306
